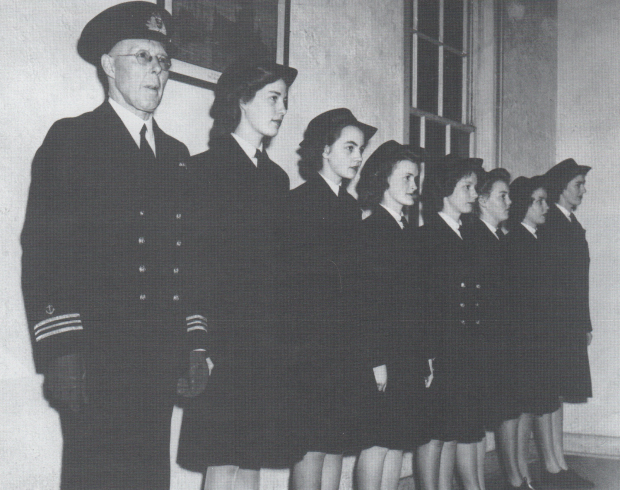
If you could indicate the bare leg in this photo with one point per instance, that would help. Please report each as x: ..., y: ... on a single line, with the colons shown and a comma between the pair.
x: 508, y: 450
x: 524, y: 433
x: 247, y: 480
x: 220, y: 477
x: 428, y: 457
x: 467, y: 463
x: 308, y: 472
x: 481, y: 453
x: 332, y: 470
x: 391, y: 470
x: 369, y: 468
x: 544, y: 434
x: 446, y: 465
x: 557, y: 427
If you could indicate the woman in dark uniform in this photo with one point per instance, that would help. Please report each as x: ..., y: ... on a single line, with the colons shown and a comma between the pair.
x: 391, y: 360
x: 568, y: 310
x: 453, y: 323
x: 322, y: 239
x: 484, y: 235
x: 532, y: 389
x: 240, y: 424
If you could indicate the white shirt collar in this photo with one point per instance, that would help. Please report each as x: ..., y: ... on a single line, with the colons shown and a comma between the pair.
x: 332, y: 185
x: 398, y: 217
x: 491, y: 228
x: 248, y: 148
x: 134, y: 124
x: 529, y: 228
x: 565, y: 211
x: 452, y: 223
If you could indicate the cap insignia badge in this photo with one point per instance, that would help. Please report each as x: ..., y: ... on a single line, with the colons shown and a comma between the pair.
x: 155, y: 23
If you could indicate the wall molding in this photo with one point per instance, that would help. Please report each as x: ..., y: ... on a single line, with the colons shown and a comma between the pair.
x: 591, y: 445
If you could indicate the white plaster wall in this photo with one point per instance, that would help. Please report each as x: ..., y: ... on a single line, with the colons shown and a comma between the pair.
x: 588, y: 129
x: 349, y: 53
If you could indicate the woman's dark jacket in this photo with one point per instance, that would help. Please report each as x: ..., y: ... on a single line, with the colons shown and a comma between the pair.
x: 567, y: 314
x: 241, y: 418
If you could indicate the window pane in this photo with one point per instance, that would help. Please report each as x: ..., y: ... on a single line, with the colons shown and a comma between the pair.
x: 459, y: 142
x: 452, y: 86
x: 428, y: 17
x: 435, y: 138
x: 428, y: 76
x: 414, y: 130
x: 453, y: 23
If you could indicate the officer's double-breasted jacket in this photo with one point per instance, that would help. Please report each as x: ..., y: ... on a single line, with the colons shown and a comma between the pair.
x: 103, y: 241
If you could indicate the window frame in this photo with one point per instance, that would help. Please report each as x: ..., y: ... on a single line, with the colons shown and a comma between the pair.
x: 412, y: 34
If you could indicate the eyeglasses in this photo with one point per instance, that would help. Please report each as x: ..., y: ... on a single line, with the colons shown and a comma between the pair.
x: 144, y: 58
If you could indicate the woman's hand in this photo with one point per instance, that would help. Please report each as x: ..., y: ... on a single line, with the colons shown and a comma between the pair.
x: 429, y: 379
x: 381, y: 377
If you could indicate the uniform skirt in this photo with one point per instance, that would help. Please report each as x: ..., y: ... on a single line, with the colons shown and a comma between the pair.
x: 393, y: 419
x: 244, y: 416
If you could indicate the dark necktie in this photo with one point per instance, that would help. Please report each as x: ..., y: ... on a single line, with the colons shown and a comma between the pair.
x: 574, y: 223
x: 405, y: 223
x: 145, y: 148
x: 261, y: 159
x: 342, y: 191
x: 500, y: 234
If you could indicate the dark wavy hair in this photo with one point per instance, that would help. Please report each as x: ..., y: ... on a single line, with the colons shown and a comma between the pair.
x: 225, y: 111
x: 311, y: 156
x: 442, y: 178
x: 374, y: 178
x: 521, y: 195
x: 486, y: 181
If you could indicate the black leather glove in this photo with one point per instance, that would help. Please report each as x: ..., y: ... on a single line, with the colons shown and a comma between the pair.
x: 196, y: 382
x: 65, y: 382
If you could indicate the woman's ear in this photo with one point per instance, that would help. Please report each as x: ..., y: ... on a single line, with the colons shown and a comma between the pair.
x: 326, y: 151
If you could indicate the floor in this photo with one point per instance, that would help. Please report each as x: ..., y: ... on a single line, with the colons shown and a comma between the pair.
x: 605, y: 473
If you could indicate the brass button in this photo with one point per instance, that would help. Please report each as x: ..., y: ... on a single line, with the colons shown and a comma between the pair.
x: 462, y: 305
x: 141, y: 240
x: 142, y: 297
x: 178, y: 216
x: 175, y: 270
x: 142, y: 268
x: 462, y: 284
x: 178, y: 243
x: 175, y: 297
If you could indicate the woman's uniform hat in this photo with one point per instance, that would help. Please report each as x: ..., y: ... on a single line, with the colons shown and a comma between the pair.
x: 565, y: 171
x: 522, y: 188
x: 453, y: 163
x: 390, y: 150
x: 130, y: 20
x: 326, y: 123
x: 244, y: 71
